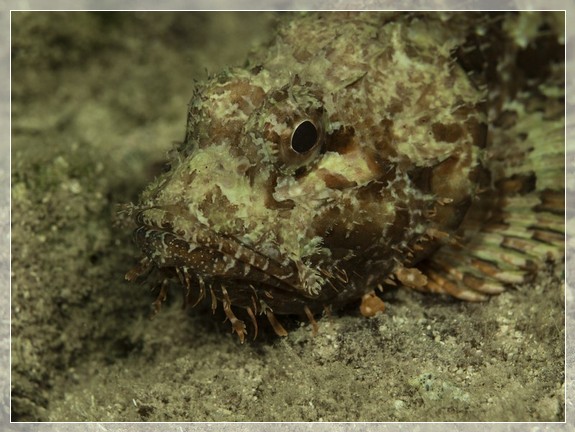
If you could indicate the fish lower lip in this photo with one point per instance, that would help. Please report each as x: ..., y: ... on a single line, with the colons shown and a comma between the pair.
x: 207, y: 253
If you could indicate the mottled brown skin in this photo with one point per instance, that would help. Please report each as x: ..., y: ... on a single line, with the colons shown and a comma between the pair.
x: 334, y: 163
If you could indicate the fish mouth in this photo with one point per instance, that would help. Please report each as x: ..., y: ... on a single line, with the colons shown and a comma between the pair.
x: 176, y: 245
x: 172, y: 240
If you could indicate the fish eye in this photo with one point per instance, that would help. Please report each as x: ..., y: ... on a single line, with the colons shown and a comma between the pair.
x: 304, y: 137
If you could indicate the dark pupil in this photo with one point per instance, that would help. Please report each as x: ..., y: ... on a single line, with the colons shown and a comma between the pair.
x: 304, y: 137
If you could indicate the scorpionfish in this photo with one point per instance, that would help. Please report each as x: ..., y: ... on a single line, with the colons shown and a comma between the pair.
x: 359, y: 151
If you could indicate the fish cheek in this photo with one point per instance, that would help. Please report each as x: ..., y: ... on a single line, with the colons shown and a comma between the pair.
x: 345, y: 233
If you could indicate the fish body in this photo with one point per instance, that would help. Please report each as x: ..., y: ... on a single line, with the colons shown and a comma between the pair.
x: 358, y: 151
